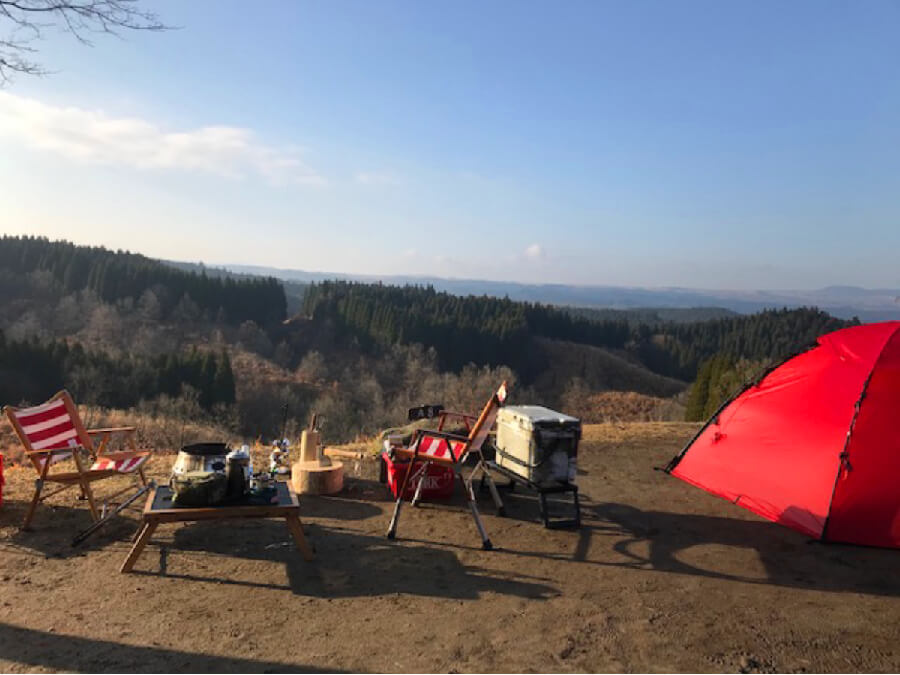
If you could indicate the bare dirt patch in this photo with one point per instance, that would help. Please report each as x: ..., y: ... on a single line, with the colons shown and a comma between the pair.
x: 661, y: 577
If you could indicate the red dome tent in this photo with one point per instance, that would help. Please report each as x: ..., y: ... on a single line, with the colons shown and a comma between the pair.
x: 814, y: 443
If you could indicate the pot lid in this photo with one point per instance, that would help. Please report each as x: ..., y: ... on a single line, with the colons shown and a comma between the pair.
x: 205, y: 449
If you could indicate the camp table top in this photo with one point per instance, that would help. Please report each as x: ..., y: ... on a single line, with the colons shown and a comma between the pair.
x: 159, y: 509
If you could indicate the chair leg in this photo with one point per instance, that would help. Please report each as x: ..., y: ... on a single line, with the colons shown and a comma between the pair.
x: 143, y: 477
x: 392, y: 528
x: 495, y: 494
x: 422, y: 475
x: 473, y: 506
x: 86, y: 488
x: 38, y: 486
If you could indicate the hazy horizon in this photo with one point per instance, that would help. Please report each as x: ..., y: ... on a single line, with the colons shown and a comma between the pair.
x: 701, y: 145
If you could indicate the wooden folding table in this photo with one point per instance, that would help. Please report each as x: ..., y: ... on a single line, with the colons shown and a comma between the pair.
x: 159, y: 509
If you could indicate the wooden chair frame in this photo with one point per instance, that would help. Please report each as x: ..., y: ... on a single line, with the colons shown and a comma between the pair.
x: 82, y: 477
x: 471, y: 446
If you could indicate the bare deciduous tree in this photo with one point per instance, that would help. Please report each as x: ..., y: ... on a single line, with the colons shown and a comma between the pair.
x: 22, y: 22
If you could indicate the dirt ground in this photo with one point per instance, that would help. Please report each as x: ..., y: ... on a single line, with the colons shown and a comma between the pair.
x: 661, y: 577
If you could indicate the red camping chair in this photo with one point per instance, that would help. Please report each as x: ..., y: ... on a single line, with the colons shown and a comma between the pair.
x: 440, y: 447
x: 53, y: 432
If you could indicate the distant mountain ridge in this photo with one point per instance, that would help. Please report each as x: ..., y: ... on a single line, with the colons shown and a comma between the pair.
x: 841, y: 301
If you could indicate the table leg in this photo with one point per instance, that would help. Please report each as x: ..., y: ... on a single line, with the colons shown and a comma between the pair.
x: 143, y: 538
x: 296, y: 530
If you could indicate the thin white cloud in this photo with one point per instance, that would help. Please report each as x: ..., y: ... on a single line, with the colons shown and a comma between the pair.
x: 94, y: 137
x: 376, y: 178
x: 534, y: 252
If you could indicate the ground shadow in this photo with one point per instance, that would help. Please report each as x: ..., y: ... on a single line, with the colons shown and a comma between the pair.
x: 657, y: 540
x: 54, y: 526
x: 623, y: 536
x: 348, y: 563
x: 40, y: 649
x: 340, y: 507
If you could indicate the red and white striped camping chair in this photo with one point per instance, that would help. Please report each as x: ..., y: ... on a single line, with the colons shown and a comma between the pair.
x: 53, y: 432
x: 439, y: 447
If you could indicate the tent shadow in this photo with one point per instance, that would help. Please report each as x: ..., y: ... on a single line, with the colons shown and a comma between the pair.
x: 40, y: 649
x: 348, y: 563
x: 788, y: 558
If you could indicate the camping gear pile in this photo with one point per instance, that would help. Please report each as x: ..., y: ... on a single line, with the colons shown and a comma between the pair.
x: 198, y: 475
x: 535, y: 447
x: 210, y: 474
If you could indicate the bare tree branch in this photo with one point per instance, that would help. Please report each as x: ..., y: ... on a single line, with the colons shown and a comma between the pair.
x: 27, y: 19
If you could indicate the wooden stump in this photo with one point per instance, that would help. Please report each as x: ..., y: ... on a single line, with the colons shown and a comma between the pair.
x: 311, y: 478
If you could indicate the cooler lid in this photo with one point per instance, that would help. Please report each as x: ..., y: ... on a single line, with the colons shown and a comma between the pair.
x: 536, y: 414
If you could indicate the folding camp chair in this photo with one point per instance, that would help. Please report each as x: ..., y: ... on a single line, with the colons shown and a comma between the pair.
x: 440, y: 447
x: 53, y: 432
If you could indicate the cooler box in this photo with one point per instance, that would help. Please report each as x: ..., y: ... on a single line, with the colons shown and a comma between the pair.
x: 537, y: 443
x: 438, y: 479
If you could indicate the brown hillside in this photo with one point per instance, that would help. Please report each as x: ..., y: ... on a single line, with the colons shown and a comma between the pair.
x: 598, y: 370
x: 623, y: 406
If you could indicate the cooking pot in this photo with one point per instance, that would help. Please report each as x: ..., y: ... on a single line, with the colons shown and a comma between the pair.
x: 208, y: 457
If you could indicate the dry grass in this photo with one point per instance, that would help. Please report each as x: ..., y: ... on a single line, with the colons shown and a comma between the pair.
x: 621, y: 406
x: 161, y: 432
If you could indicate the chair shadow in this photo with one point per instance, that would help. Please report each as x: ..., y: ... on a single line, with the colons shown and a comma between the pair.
x: 55, y: 525
x: 53, y: 651
x: 788, y: 558
x: 660, y: 541
x: 348, y: 563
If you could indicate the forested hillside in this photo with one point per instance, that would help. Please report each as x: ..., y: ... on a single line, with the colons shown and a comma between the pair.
x: 678, y: 350
x: 115, y: 276
x: 491, y: 331
x: 480, y: 330
x: 122, y: 330
x: 31, y: 371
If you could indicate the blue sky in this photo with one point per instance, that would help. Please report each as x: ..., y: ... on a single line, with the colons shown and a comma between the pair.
x: 703, y: 144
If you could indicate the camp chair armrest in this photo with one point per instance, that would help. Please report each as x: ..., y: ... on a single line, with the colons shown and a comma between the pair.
x: 445, y: 435
x: 125, y: 454
x: 51, y: 453
x: 105, y: 434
